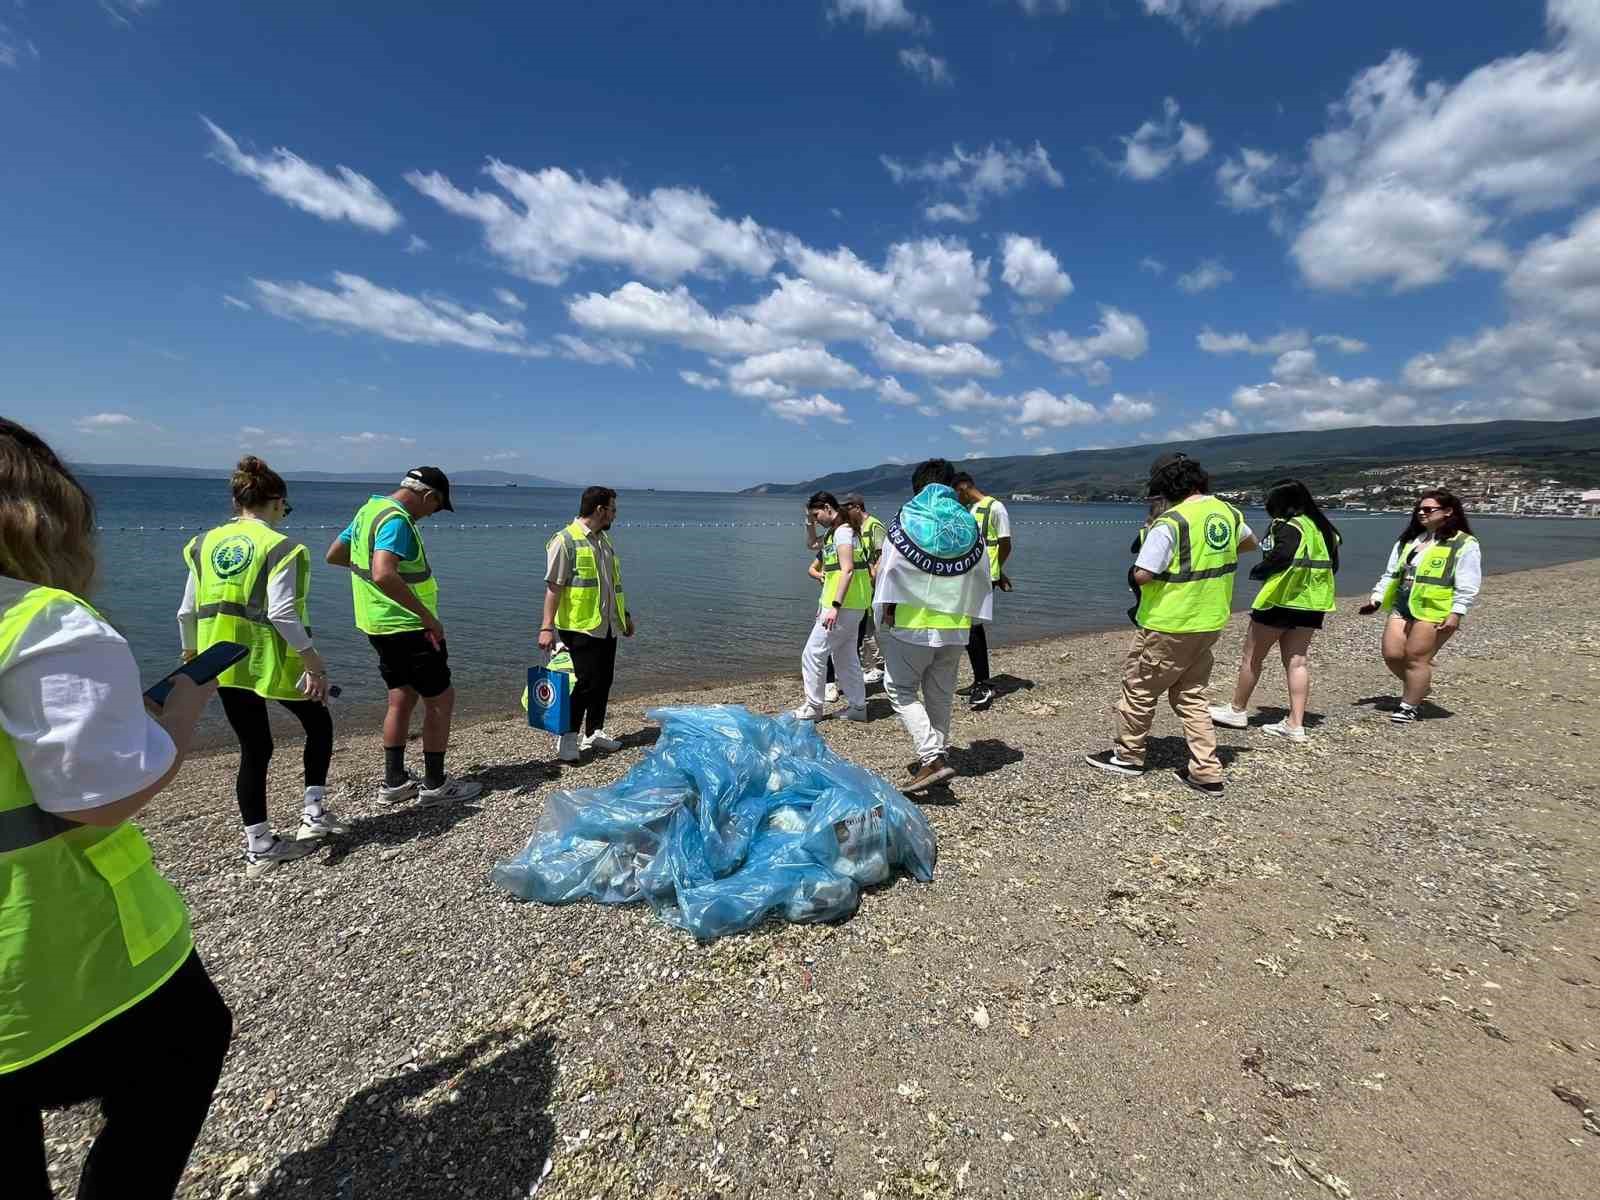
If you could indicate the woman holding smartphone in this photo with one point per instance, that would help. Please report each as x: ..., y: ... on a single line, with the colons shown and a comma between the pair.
x: 1435, y: 572
x: 248, y: 583
x: 104, y: 996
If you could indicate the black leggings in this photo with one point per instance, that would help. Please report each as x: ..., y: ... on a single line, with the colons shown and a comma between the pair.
x: 594, y: 663
x: 247, y: 713
x: 152, y: 1068
x: 978, y: 653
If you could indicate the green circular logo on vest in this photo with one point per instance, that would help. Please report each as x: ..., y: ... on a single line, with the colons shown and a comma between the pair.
x: 232, y: 555
x: 1219, y: 531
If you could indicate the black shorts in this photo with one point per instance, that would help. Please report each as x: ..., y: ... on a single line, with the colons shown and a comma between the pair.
x: 1287, y: 618
x: 408, y: 660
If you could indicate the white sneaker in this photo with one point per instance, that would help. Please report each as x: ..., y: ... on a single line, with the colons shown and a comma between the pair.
x: 600, y: 740
x: 400, y: 793
x: 324, y: 824
x: 873, y: 676
x: 831, y: 695
x: 856, y: 714
x: 283, y: 850
x: 1295, y: 733
x: 808, y: 712
x: 569, y: 748
x: 1228, y: 715
x: 447, y: 792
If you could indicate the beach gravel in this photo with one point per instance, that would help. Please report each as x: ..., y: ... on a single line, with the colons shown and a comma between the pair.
x: 1370, y: 969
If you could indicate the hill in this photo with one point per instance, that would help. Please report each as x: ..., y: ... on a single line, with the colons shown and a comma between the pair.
x: 1326, y: 459
x: 466, y: 478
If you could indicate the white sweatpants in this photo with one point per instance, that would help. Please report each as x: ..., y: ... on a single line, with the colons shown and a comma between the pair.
x: 931, y: 670
x: 841, y: 643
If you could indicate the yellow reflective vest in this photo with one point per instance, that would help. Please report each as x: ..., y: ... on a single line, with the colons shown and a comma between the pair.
x: 983, y: 514
x: 1432, y: 572
x: 859, y: 594
x: 579, y: 608
x: 88, y: 927
x: 1307, y: 583
x: 375, y: 612
x: 232, y: 566
x: 1195, y: 593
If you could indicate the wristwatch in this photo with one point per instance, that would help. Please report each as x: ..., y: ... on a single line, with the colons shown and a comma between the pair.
x: 838, y: 603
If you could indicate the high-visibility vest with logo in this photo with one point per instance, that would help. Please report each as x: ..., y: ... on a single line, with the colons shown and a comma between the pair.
x: 1307, y: 583
x: 375, y: 612
x: 232, y: 566
x: 983, y: 514
x: 875, y: 536
x: 1432, y: 572
x: 88, y: 927
x: 579, y: 608
x: 1195, y: 593
x: 859, y: 593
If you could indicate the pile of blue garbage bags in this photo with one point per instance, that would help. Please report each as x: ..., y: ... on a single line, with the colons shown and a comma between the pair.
x: 731, y: 817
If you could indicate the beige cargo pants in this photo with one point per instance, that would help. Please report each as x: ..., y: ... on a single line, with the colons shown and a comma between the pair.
x: 1179, y: 666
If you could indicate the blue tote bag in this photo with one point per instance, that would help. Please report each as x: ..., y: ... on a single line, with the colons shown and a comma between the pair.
x: 548, y: 697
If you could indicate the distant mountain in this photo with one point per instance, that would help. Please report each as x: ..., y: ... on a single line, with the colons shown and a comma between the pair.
x: 1568, y: 450
x: 465, y: 478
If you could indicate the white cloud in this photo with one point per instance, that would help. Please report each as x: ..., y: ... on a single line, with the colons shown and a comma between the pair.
x: 934, y: 283
x: 798, y: 410
x: 942, y: 362
x: 929, y: 67
x: 416, y: 245
x: 1416, y: 177
x: 1041, y: 408
x: 706, y: 383
x: 556, y: 221
x: 1206, y: 277
x: 361, y: 304
x: 347, y: 196
x: 502, y: 456
x: 599, y: 355
x: 1294, y: 365
x: 637, y: 311
x: 973, y: 397
x: 891, y: 391
x: 796, y: 367
x: 1118, y: 335
x: 1561, y: 274
x: 1211, y: 423
x: 1046, y: 450
x: 877, y: 14
x: 800, y: 309
x: 1255, y: 180
x: 1032, y: 272
x: 8, y: 48
x: 1344, y: 345
x: 1431, y: 373
x: 1035, y: 8
x: 1315, y: 401
x: 509, y: 298
x: 1154, y: 265
x: 105, y: 422
x: 377, y: 439
x: 235, y: 302
x: 977, y: 435
x: 1188, y: 13
x: 1128, y: 409
x: 973, y: 178
x: 1242, y: 343
x: 258, y: 438
x: 1156, y: 146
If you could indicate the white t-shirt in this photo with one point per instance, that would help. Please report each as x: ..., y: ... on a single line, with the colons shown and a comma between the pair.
x: 72, y: 704
x: 1160, y: 544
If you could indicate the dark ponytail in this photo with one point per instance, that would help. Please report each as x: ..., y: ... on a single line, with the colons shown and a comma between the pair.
x: 1290, y: 498
x: 255, y: 484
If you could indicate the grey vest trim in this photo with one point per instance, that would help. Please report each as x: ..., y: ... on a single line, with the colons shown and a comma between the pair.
x: 28, y: 826
x: 227, y: 608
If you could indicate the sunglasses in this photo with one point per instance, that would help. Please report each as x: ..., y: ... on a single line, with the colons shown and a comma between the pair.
x: 1422, y: 512
x: 287, y: 507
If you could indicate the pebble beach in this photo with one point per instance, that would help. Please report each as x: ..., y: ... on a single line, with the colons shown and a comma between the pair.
x: 1370, y: 969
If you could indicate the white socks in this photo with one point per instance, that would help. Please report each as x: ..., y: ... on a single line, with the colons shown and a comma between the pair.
x: 313, y: 805
x: 258, y: 837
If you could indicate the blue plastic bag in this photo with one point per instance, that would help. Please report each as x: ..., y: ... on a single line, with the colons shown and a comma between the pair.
x: 732, y: 817
x: 548, y: 696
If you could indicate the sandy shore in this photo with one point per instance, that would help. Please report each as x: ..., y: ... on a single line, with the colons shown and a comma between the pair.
x: 1371, y: 969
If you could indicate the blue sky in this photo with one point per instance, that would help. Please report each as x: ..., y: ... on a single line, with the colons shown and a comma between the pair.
x: 706, y: 244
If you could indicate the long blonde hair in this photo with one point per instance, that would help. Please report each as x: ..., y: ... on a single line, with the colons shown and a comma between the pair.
x: 46, y: 517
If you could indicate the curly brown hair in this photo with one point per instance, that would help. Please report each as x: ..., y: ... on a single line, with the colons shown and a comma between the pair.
x: 47, y: 522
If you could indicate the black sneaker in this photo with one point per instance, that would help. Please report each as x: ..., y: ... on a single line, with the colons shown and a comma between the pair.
x: 969, y: 689
x: 1107, y: 760
x: 1405, y: 714
x: 1209, y: 789
x: 980, y: 698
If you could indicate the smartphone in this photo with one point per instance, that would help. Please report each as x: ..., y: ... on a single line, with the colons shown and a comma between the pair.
x: 203, y: 668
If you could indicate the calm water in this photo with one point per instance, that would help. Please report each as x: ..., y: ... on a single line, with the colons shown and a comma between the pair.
x: 718, y: 582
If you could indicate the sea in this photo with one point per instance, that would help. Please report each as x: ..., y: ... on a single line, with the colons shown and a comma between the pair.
x: 717, y: 582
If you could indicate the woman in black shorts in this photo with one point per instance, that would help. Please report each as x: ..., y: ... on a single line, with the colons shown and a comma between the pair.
x: 1302, y: 556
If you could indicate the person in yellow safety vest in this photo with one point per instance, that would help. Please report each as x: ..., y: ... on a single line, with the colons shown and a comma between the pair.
x: 585, y: 608
x: 846, y: 594
x: 102, y: 996
x: 1302, y: 557
x: 397, y: 606
x: 1185, y: 572
x: 1435, y: 572
x: 933, y: 582
x: 248, y: 583
x: 995, y: 523
x: 873, y: 533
